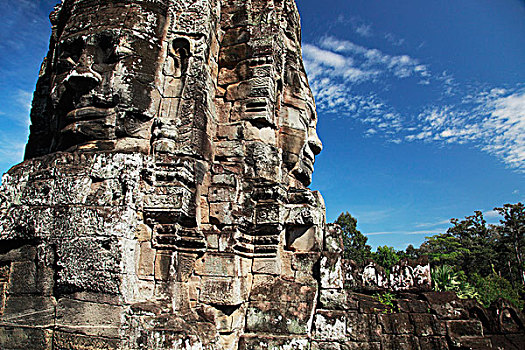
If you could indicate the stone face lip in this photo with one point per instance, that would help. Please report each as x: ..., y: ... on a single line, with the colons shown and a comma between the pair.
x: 163, y: 202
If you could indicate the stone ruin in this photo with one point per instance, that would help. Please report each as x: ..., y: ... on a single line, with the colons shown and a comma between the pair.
x: 164, y: 201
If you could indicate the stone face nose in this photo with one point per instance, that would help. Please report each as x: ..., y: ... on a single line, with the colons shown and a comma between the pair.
x: 83, y: 79
x: 314, y: 143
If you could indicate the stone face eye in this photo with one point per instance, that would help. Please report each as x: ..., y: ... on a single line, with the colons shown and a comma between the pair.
x: 106, y: 50
x: 69, y: 53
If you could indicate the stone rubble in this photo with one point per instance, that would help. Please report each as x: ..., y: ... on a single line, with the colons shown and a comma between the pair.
x: 164, y: 201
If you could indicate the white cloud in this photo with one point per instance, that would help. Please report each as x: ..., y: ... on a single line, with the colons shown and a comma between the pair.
x: 24, y: 98
x: 18, y: 108
x: 398, y: 233
x: 493, y: 120
x: 402, y: 66
x: 394, y: 40
x: 433, y: 224
x: 491, y: 214
x: 507, y: 123
x: 335, y: 67
x: 317, y: 55
x: 11, y: 149
x: 364, y: 30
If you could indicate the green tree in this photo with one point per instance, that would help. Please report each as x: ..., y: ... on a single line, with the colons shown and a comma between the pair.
x: 387, y: 257
x: 354, y: 241
x: 411, y: 252
x: 513, y: 235
x: 442, y: 249
x: 493, y: 287
x: 477, y: 241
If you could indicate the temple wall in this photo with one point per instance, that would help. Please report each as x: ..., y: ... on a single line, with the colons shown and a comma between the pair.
x: 164, y: 200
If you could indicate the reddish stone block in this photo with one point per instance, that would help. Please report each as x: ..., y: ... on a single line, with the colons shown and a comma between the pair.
x: 456, y: 329
x: 433, y: 343
x: 399, y: 342
x: 427, y: 325
x: 395, y: 323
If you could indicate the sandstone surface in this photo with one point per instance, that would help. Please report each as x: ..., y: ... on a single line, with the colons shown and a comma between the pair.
x: 164, y: 200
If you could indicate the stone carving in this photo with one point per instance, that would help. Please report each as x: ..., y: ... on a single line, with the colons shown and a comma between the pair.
x: 163, y: 203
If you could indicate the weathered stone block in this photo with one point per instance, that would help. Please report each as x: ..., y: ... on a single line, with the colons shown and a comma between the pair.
x: 464, y: 328
x: 23, y: 278
x: 279, y: 318
x: 305, y: 266
x: 18, y: 338
x: 269, y: 288
x: 412, y: 306
x: 3, y: 289
x: 29, y: 310
x: 270, y: 266
x: 361, y: 346
x: 270, y: 342
x: 446, y: 305
x: 222, y: 194
x: 302, y: 238
x: 508, y: 341
x: 163, y: 263
x: 322, y: 345
x: 221, y: 213
x: 433, y: 343
x: 73, y: 341
x: 215, y: 264
x: 333, y: 299
x: 362, y: 327
x: 428, y: 325
x: 143, y: 233
x: 369, y: 304
x: 331, y: 271
x: 472, y: 343
x: 224, y: 290
x: 92, y: 319
x: 146, y: 264
x: 330, y: 325
x: 399, y: 342
x: 395, y: 323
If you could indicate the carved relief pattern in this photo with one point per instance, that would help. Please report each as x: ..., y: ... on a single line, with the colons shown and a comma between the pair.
x: 164, y: 200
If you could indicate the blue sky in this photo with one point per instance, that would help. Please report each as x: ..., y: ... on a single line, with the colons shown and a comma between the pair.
x: 421, y: 106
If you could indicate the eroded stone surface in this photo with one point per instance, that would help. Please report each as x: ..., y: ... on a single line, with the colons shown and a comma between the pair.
x: 163, y: 203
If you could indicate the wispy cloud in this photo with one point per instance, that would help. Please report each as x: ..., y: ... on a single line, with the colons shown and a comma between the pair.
x: 335, y: 67
x: 493, y: 120
x: 347, y: 79
x: 408, y: 233
x: 394, y: 40
x: 402, y: 66
x: 11, y: 149
x: 324, y: 57
x: 491, y: 214
x: 433, y: 224
x: 364, y: 30
x: 18, y: 110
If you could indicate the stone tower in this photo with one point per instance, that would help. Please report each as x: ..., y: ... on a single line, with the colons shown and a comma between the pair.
x: 165, y: 179
x: 163, y: 202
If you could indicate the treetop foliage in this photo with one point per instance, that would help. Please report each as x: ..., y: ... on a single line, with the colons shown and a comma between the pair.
x: 473, y: 258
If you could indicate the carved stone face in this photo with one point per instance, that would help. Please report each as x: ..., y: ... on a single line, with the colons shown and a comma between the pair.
x: 103, y: 83
x: 299, y: 139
